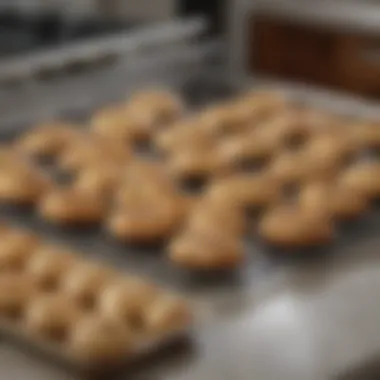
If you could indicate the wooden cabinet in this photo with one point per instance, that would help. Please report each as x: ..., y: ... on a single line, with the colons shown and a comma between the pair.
x: 314, y: 54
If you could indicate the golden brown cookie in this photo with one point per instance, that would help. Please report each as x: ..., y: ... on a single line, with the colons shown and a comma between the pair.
x: 159, y: 105
x: 148, y: 176
x: 126, y: 300
x: 65, y: 206
x: 194, y: 165
x: 250, y: 191
x: 166, y: 313
x: 48, y: 140
x: 84, y: 283
x: 364, y: 178
x: 145, y: 222
x: 16, y: 247
x: 93, y: 150
x: 23, y: 185
x: 98, y: 342
x: 49, y: 264
x: 184, y: 134
x: 367, y: 134
x: 220, y: 215
x: 329, y: 150
x: 264, y: 103
x: 117, y: 122
x: 291, y: 227
x: 100, y: 180
x: 51, y: 317
x: 288, y: 168
x: 206, y: 250
x: 334, y: 199
x: 15, y: 292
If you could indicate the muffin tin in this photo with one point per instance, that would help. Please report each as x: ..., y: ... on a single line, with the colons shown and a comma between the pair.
x: 80, y: 311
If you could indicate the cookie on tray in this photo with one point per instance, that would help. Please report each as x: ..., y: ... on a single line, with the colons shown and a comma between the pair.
x: 288, y: 226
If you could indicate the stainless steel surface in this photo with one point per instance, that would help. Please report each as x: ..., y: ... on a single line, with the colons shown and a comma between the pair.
x: 143, y: 38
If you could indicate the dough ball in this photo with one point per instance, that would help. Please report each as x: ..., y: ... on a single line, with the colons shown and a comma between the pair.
x: 67, y: 206
x: 291, y: 227
x: 99, y: 342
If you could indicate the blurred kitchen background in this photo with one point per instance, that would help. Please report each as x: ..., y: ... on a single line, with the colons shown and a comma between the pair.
x: 215, y: 46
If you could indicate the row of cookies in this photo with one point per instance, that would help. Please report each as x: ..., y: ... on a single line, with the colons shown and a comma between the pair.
x: 83, y: 310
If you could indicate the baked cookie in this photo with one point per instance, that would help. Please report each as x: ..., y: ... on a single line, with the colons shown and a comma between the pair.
x: 99, y: 342
x: 145, y: 222
x: 22, y: 185
x: 49, y: 264
x: 65, y: 206
x: 220, y: 215
x: 249, y: 191
x: 100, y: 180
x: 334, y: 199
x: 186, y: 134
x: 117, y: 122
x: 84, y: 282
x: 16, y: 247
x: 93, y: 150
x: 366, y: 134
x: 161, y: 106
x: 126, y: 300
x: 194, y: 165
x: 364, y: 178
x: 330, y: 149
x: 15, y: 292
x: 165, y: 314
x: 51, y: 317
x: 203, y: 250
x: 291, y: 227
x: 48, y: 140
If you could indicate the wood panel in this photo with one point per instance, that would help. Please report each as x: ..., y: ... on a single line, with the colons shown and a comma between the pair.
x: 333, y: 58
